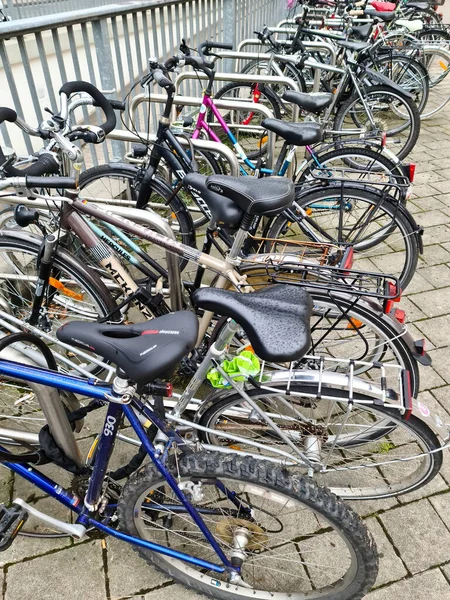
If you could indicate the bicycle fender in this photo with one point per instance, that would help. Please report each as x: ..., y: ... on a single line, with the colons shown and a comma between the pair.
x: 380, y: 78
x: 434, y: 422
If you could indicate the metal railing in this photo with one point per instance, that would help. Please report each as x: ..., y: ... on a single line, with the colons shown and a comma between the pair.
x: 109, y: 46
x: 23, y: 9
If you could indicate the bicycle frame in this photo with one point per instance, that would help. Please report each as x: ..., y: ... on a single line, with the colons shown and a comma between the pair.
x: 106, y: 395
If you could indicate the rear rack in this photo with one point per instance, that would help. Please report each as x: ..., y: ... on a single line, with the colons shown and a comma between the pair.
x: 331, y: 279
x: 275, y: 250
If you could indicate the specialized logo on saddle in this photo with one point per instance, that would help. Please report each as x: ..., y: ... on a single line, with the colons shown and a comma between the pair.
x: 216, y: 188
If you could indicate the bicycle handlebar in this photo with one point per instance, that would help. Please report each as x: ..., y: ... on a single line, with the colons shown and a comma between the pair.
x: 72, y: 87
x: 46, y: 163
x: 39, y: 182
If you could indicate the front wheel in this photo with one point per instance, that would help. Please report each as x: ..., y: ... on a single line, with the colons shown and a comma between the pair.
x: 383, y: 110
x: 302, y: 542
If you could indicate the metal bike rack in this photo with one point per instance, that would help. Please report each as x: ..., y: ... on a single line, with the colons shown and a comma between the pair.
x: 210, y: 146
x: 329, y: 48
x: 147, y: 217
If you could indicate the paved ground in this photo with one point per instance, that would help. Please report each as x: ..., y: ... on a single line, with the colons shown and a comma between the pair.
x: 412, y: 533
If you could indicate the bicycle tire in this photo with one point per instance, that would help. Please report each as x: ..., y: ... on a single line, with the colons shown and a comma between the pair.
x: 379, y: 424
x: 18, y: 297
x: 395, y: 215
x: 382, y: 92
x: 378, y: 163
x: 275, y: 486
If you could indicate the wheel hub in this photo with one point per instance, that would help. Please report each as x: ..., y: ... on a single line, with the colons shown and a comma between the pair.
x: 256, y: 537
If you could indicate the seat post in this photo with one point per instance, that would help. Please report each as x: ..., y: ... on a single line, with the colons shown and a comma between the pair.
x: 240, y: 237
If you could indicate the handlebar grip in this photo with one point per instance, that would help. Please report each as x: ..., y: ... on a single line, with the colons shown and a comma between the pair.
x: 71, y: 87
x: 7, y: 114
x: 162, y: 80
x: 46, y: 164
x: 116, y: 104
x: 219, y: 46
x: 52, y: 182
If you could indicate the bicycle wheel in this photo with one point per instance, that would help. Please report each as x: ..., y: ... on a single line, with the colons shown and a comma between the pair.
x: 113, y: 182
x: 342, y: 162
x: 437, y: 62
x: 366, y: 453
x: 80, y: 294
x: 380, y: 232
x: 408, y: 73
x: 333, y: 557
x: 253, y: 142
x: 383, y: 110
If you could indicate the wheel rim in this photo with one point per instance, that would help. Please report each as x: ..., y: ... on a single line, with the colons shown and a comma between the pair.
x: 279, y: 563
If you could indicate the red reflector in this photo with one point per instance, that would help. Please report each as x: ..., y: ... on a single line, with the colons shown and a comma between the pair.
x: 400, y: 315
x: 412, y: 171
x: 395, y: 295
x: 348, y: 258
x: 383, y: 139
x: 388, y: 306
x: 407, y: 395
x: 169, y: 390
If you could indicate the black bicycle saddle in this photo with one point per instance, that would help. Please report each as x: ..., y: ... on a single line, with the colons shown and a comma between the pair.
x: 144, y: 352
x: 276, y: 319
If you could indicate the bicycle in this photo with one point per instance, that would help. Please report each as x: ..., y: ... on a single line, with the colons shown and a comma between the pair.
x: 208, y: 521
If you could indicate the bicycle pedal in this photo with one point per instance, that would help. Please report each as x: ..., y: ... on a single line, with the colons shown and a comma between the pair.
x: 11, y: 521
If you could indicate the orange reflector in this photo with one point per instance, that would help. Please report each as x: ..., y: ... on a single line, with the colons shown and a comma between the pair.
x: 263, y: 140
x: 234, y: 447
x: 174, y: 216
x: 443, y: 65
x: 64, y: 291
x: 249, y: 348
x: 309, y: 211
x: 353, y: 324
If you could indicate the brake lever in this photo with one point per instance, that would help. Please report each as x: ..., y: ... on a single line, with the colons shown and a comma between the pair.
x: 184, y: 48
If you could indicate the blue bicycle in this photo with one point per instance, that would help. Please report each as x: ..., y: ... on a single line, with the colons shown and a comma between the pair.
x: 226, y: 524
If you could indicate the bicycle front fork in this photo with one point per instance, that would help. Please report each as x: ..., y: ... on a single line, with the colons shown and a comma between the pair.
x: 44, y: 269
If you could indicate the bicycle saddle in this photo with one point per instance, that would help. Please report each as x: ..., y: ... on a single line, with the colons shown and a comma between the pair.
x: 299, y: 134
x: 267, y: 196
x: 418, y: 5
x: 223, y: 210
x: 385, y: 16
x: 145, y: 351
x: 362, y: 32
x: 276, y: 319
x: 355, y: 46
x: 313, y: 102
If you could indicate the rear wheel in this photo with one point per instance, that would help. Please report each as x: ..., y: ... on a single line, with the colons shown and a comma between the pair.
x: 381, y: 234
x: 364, y: 453
x: 383, y: 110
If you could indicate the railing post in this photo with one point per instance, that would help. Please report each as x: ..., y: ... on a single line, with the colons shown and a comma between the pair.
x: 106, y: 71
x: 229, y: 31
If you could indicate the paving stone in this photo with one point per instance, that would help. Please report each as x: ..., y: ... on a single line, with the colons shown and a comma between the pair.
x: 391, y: 567
x: 27, y: 547
x: 173, y: 592
x: 435, y: 253
x: 441, y: 505
x: 442, y: 186
x: 440, y: 362
x: 73, y: 574
x: 431, y: 585
x: 128, y: 573
x: 436, y: 330
x: 413, y: 313
x: 417, y: 533
x: 438, y: 276
x: 433, y: 303
x: 418, y: 284
x: 429, y: 218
